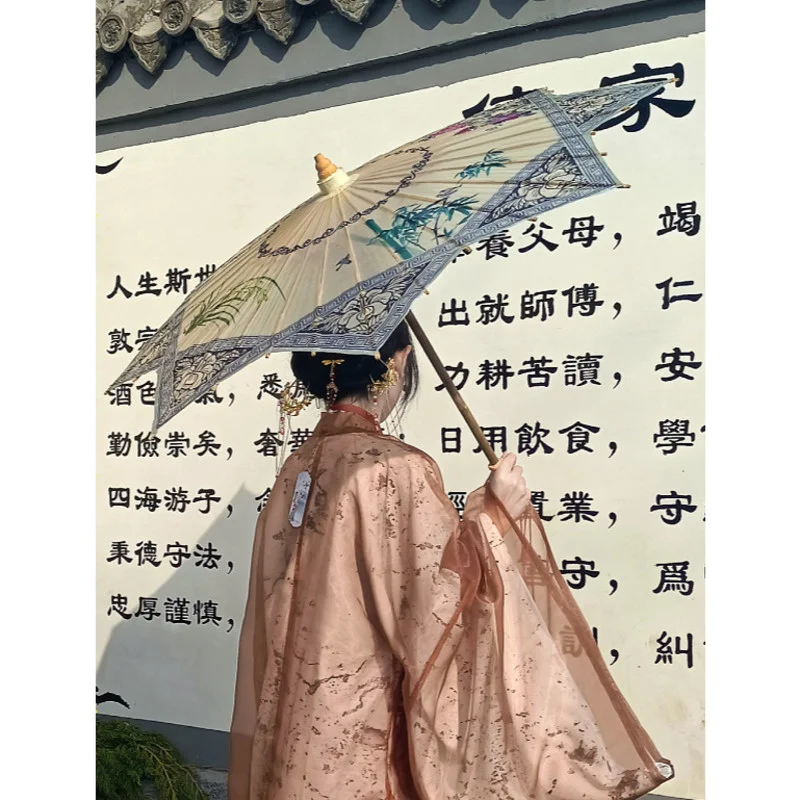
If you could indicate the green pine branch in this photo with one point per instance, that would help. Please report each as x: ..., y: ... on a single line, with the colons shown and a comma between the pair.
x: 126, y: 757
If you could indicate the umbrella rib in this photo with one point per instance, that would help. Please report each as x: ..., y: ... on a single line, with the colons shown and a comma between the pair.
x: 290, y: 294
x: 351, y: 250
x: 321, y: 287
x: 284, y: 267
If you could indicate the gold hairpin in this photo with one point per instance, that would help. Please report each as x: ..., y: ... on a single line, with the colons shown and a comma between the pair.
x: 385, y: 382
x: 294, y: 398
x: 333, y: 389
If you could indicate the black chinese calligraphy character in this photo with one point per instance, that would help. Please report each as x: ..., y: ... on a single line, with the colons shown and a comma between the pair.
x: 207, y: 556
x: 119, y: 444
x: 516, y: 93
x: 119, y: 553
x: 118, y: 287
x: 674, y: 578
x: 494, y: 373
x: 120, y: 395
x: 577, y: 571
x: 674, y: 108
x: 454, y: 314
x: 204, y: 273
x: 577, y: 507
x: 458, y: 374
x: 206, y: 497
x: 207, y: 444
x: 299, y: 437
x: 531, y: 439
x: 147, y: 393
x: 538, y: 237
x: 118, y: 342
x: 497, y: 244
x: 458, y: 499
x: 683, y: 219
x: 583, y: 231
x: 580, y: 370
x: 177, y: 611
x: 493, y: 309
x: 583, y: 298
x: 537, y: 501
x: 148, y: 284
x: 263, y: 498
x: 177, y: 281
x: 667, y: 298
x: 119, y: 497
x: 673, y: 506
x: 119, y: 605
x: 148, y: 609
x: 665, y: 652
x: 451, y: 440
x: 537, y: 371
x: 268, y: 443
x: 176, y: 499
x: 206, y: 612
x: 578, y: 436
x: 177, y: 553
x: 210, y: 396
x: 677, y: 362
x: 177, y: 444
x: 496, y: 435
x: 145, y: 334
x: 672, y: 434
x: 271, y: 385
x: 147, y: 498
x: 146, y: 445
x: 539, y: 304
x: 147, y: 553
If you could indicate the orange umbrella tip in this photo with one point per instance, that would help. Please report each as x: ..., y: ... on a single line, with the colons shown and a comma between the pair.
x: 325, y: 167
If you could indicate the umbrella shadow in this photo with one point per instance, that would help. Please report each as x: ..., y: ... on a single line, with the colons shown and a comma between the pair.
x: 149, y: 664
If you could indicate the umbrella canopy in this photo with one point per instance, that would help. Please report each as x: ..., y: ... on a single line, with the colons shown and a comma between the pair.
x: 339, y: 272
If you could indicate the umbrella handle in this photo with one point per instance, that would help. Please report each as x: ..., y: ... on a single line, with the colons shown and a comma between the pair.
x: 425, y: 344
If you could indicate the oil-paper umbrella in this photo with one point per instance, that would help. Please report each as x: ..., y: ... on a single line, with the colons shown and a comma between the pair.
x: 339, y: 272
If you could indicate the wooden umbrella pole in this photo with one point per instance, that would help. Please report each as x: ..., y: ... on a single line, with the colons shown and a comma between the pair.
x: 425, y: 344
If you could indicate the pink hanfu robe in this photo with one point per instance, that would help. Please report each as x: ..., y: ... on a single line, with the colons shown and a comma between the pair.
x: 391, y: 651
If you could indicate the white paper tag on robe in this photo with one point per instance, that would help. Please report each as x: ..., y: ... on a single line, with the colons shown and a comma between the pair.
x: 299, y: 499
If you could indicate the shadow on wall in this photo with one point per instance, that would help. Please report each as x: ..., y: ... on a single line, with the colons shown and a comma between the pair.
x: 160, y: 669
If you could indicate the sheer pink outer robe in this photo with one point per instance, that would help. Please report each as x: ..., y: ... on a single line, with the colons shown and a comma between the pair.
x: 390, y: 651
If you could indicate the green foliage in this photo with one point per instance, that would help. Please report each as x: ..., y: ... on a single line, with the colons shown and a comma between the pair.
x: 126, y: 756
x: 409, y: 222
x: 224, y: 309
x: 492, y: 159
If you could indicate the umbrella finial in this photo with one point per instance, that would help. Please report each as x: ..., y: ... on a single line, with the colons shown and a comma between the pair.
x: 325, y: 167
x: 330, y: 178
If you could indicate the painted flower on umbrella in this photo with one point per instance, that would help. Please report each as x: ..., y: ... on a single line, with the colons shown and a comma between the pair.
x: 362, y: 314
x: 560, y: 175
x: 497, y: 115
x: 584, y: 106
x: 192, y: 372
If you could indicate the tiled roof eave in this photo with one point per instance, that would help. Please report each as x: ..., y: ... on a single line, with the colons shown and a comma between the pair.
x: 149, y: 28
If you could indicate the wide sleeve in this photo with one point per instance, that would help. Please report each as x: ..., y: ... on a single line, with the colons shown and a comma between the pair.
x: 496, y: 701
x: 250, y: 673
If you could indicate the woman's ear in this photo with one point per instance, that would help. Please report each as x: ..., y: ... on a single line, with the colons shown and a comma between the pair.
x: 401, y: 358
